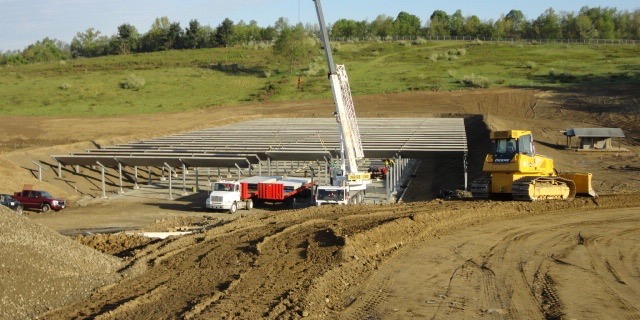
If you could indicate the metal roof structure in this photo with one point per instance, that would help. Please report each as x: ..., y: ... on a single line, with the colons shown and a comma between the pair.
x: 595, y: 132
x: 291, y: 139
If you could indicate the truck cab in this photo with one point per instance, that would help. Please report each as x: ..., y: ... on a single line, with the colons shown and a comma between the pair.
x: 331, y: 195
x: 226, y: 195
x: 339, y: 195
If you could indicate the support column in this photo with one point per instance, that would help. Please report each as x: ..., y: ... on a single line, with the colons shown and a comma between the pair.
x: 399, y: 177
x: 39, y: 170
x: 326, y: 170
x: 170, y: 182
x: 387, y: 182
x: 184, y: 180
x: 104, y: 193
x: 393, y: 177
x: 269, y: 166
x: 327, y: 173
x: 464, y: 163
x: 149, y: 170
x: 59, y: 170
x: 396, y: 166
x: 239, y: 171
x: 120, y: 191
x: 197, y: 181
x: 390, y: 173
x: 135, y: 178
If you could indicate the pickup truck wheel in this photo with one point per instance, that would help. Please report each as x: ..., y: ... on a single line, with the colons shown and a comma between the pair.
x: 19, y: 210
x: 45, y: 208
x: 234, y: 208
x: 249, y: 204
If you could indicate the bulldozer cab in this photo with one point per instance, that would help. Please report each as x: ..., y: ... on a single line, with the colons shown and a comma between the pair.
x: 504, y: 149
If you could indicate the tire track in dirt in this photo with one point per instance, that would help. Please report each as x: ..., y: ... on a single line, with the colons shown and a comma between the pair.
x: 539, y: 263
x: 610, y: 274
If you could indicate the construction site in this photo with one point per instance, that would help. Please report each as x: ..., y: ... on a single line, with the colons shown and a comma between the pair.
x: 422, y: 257
x: 459, y: 204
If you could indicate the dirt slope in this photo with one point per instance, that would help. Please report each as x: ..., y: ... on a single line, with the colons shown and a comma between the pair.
x: 42, y: 270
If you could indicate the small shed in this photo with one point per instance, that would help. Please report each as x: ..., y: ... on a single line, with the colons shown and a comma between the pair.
x: 594, y: 139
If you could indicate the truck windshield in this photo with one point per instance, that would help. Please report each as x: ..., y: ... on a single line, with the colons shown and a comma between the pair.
x: 45, y: 194
x: 223, y: 187
x: 337, y: 195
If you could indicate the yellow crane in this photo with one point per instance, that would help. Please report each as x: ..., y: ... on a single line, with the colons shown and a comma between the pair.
x: 513, y: 168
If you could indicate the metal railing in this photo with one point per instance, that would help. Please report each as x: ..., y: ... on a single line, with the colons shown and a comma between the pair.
x: 489, y: 39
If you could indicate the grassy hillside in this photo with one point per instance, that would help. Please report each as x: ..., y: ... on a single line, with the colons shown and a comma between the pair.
x: 184, y: 80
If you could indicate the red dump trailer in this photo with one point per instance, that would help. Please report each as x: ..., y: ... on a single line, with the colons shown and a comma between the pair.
x: 282, y: 189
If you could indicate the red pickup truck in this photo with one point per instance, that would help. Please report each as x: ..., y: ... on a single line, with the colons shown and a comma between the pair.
x: 42, y: 200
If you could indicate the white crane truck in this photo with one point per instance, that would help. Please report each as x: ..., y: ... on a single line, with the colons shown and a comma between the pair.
x: 348, y: 184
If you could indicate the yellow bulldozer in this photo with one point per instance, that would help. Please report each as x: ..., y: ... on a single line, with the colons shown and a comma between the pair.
x: 513, y: 168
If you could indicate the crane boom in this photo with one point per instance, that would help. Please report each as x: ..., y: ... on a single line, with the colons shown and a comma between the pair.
x: 348, y: 185
x: 351, y: 146
x: 325, y: 37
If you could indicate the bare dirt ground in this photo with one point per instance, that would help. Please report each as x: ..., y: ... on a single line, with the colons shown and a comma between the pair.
x: 423, y: 259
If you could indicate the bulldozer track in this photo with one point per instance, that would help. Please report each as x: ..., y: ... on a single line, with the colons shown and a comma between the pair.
x: 480, y: 188
x: 529, y: 188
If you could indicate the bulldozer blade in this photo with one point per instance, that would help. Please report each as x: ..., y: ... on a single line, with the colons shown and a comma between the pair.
x: 582, y: 182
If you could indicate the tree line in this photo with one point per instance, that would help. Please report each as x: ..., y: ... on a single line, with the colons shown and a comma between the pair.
x: 587, y: 23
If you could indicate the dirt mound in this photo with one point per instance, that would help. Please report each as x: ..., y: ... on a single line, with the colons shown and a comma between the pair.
x: 118, y: 244
x: 182, y: 223
x: 43, y: 270
x: 125, y: 245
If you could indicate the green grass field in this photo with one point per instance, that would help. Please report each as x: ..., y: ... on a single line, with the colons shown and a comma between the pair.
x: 193, y: 79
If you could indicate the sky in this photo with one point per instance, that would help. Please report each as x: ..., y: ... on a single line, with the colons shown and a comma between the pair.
x: 24, y: 22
